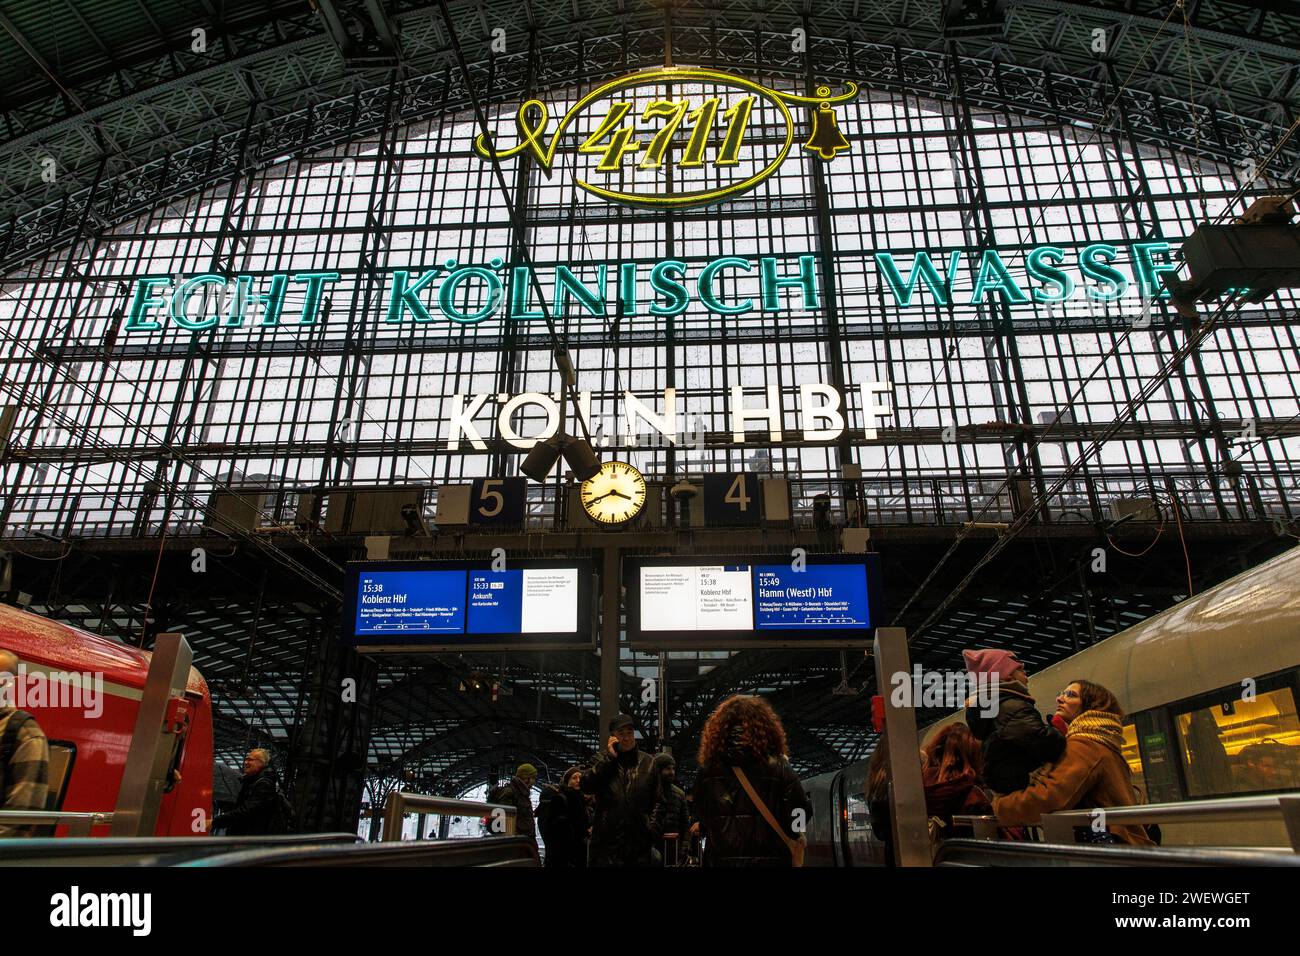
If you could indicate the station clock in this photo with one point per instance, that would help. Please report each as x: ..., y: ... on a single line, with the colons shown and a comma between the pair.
x: 615, y: 495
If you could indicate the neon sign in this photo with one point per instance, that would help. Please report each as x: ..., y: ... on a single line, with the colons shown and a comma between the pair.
x: 717, y: 128
x: 822, y: 416
x: 727, y: 286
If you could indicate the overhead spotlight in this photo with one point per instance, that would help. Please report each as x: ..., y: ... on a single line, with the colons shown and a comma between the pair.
x: 580, y: 457
x: 539, y: 462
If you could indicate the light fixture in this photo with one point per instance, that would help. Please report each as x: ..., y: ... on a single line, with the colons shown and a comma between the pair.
x: 577, y: 452
x: 580, y: 457
x: 539, y: 462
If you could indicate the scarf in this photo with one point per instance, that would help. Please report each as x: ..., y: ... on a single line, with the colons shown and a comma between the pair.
x: 1098, y: 725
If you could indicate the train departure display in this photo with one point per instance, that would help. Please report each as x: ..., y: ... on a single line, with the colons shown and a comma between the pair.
x: 828, y: 600
x: 822, y: 596
x: 452, y: 604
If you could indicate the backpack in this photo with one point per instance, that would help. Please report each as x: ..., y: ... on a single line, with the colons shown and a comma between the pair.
x: 495, y: 795
x: 283, y: 819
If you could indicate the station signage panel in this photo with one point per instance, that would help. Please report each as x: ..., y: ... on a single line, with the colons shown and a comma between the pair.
x: 455, y: 605
x: 730, y: 602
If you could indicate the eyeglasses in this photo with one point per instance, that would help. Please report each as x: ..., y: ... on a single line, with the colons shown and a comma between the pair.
x: 1070, y: 694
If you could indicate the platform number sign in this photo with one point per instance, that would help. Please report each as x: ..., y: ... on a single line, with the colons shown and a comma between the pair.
x: 733, y: 500
x: 498, y: 502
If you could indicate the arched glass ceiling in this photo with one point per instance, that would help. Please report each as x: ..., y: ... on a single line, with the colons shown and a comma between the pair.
x: 353, y: 398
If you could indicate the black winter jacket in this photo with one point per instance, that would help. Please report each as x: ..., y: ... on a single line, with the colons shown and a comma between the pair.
x: 735, y: 832
x: 674, y: 817
x: 257, y: 807
x: 515, y: 794
x: 627, y: 792
x: 562, y: 821
x: 1017, y: 741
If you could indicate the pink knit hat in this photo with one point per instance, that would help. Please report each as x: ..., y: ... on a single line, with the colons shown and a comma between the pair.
x: 991, y: 660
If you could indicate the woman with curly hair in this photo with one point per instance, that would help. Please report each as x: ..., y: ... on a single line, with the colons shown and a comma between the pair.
x: 744, y: 779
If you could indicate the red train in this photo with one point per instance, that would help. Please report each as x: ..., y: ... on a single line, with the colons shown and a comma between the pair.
x: 88, y: 745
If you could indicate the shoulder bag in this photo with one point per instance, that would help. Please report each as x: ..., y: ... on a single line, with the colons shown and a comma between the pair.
x: 796, y: 847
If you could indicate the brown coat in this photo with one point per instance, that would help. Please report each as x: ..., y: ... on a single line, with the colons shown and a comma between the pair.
x: 1088, y: 775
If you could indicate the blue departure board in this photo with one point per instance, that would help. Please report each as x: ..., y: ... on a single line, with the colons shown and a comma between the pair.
x: 535, y: 602
x: 820, y: 597
x: 410, y: 602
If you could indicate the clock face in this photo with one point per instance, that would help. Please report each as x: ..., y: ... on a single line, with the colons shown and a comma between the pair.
x: 615, y: 495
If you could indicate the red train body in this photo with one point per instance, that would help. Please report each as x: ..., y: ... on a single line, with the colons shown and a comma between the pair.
x: 95, y: 745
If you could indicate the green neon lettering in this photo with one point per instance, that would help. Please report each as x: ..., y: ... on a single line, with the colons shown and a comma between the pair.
x: 407, y: 298
x: 1148, y: 270
x: 679, y: 299
x: 457, y: 278
x: 184, y: 291
x: 772, y: 284
x: 922, y: 269
x: 627, y: 287
x: 710, y: 298
x: 315, y: 283
x: 569, y: 287
x: 994, y: 277
x: 1058, y: 279
x: 143, y: 302
x: 1107, y: 274
x: 519, y: 289
x: 272, y: 301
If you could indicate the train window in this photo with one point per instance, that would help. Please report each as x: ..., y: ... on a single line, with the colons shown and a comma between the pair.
x: 1159, y: 780
x: 858, y: 817
x: 1133, y: 756
x: 63, y: 753
x: 1235, y: 746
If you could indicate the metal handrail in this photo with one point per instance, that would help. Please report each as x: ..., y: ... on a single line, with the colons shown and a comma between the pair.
x: 400, y: 803
x: 1059, y: 827
x: 967, y: 852
x: 148, y: 851
x: 515, y: 851
x: 79, y: 824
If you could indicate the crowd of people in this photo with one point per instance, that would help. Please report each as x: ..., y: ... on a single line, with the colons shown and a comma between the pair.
x: 1017, y: 764
x: 747, y: 806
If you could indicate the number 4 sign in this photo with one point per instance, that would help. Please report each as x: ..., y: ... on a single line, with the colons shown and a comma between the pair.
x: 733, y: 500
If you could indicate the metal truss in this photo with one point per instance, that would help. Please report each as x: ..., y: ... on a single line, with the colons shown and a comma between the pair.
x: 169, y: 126
x: 426, y: 734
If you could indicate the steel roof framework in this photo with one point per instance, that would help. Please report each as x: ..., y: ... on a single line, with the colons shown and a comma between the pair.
x: 159, y: 128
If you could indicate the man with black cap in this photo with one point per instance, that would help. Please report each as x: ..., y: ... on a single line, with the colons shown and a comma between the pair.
x: 627, y: 789
x: 673, y: 822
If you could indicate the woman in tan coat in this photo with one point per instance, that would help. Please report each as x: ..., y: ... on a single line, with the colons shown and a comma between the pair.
x: 1090, y: 773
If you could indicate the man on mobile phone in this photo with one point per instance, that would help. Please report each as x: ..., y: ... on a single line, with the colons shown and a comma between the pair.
x: 627, y: 789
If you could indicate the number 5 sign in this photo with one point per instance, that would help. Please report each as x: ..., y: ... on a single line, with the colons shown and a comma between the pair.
x: 498, y: 501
